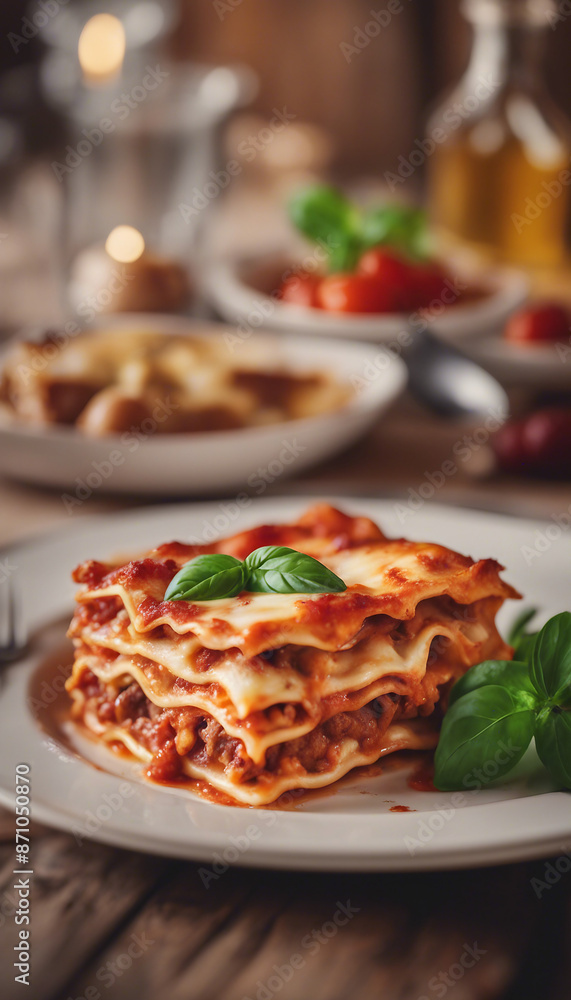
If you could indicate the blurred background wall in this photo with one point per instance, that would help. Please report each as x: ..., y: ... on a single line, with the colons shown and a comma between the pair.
x: 374, y: 102
x: 295, y: 47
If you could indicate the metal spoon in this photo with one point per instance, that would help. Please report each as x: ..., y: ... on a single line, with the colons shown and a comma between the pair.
x: 449, y: 383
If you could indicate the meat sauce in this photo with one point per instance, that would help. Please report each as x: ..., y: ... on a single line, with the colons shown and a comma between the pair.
x: 171, y: 734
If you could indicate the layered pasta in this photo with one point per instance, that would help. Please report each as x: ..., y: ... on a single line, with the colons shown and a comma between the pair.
x: 259, y: 694
x: 111, y: 381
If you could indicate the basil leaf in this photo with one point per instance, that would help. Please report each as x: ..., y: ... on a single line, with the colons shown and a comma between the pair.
x: 553, y: 744
x: 344, y: 254
x: 207, y: 578
x: 483, y: 736
x: 322, y: 213
x: 398, y: 226
x: 276, y: 569
x: 509, y: 674
x: 551, y: 660
x: 521, y: 640
x: 326, y: 216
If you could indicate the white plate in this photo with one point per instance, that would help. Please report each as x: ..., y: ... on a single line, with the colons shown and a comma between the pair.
x: 219, y: 461
x: 351, y: 829
x: 539, y: 365
x: 241, y: 290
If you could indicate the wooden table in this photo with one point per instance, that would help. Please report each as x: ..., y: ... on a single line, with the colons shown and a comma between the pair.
x: 108, y: 922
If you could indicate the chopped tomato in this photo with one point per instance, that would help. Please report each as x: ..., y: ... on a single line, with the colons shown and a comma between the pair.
x: 542, y: 322
x: 356, y: 293
x: 301, y: 289
x: 428, y: 282
x: 390, y: 271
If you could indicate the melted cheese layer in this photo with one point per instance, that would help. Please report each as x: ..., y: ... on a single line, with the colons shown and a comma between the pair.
x: 279, y: 676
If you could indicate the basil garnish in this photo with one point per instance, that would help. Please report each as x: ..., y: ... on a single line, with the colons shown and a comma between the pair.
x: 271, y: 569
x: 207, y: 578
x: 551, y: 660
x: 510, y: 674
x: 498, y: 706
x: 326, y: 216
x: 475, y: 728
x: 519, y: 638
x: 553, y: 744
x: 277, y: 570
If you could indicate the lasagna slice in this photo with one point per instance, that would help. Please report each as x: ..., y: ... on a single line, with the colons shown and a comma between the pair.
x: 256, y: 695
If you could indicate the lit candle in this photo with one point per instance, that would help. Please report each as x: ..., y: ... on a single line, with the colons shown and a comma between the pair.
x: 123, y: 276
x: 101, y: 49
x: 125, y: 244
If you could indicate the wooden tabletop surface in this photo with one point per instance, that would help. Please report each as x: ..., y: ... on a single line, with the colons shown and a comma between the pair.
x: 112, y: 923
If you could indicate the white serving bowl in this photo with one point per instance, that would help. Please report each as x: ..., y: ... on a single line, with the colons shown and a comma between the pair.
x: 218, y: 461
x: 241, y: 288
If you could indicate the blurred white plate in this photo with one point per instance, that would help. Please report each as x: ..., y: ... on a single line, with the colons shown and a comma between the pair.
x: 348, y: 829
x: 539, y: 365
x: 218, y: 461
x: 241, y: 290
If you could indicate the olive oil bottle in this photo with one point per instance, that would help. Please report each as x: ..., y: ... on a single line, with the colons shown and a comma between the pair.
x: 500, y: 174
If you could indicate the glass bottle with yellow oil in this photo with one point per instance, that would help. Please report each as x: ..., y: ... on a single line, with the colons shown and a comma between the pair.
x: 500, y: 174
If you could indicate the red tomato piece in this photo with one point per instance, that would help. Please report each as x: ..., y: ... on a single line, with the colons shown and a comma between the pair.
x: 538, y: 445
x: 390, y: 271
x: 547, y: 441
x: 509, y: 447
x: 539, y: 323
x: 355, y: 293
x: 428, y: 283
x: 301, y: 289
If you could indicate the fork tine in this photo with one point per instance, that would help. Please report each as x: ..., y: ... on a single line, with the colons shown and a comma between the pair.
x: 12, y: 633
x: 6, y: 615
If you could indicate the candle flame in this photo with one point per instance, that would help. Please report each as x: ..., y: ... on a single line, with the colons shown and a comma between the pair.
x: 125, y: 244
x: 101, y: 48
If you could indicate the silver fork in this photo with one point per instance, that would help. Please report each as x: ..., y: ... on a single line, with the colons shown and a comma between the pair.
x: 13, y: 638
